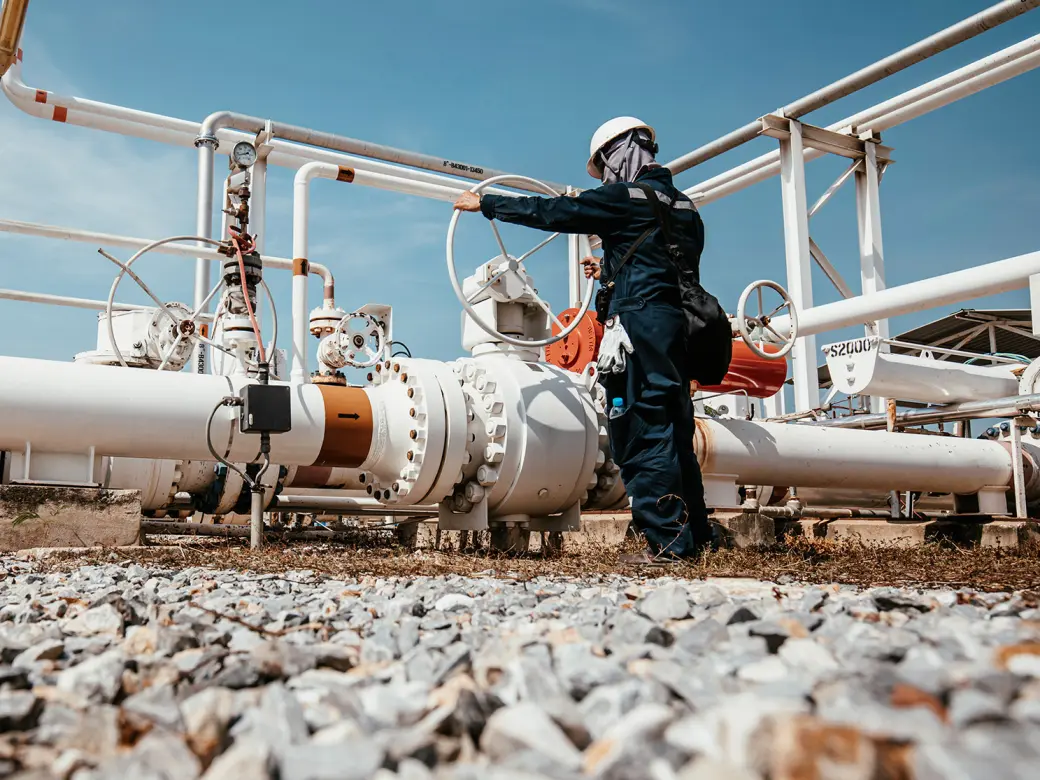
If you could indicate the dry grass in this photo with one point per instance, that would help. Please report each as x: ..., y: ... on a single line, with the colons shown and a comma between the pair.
x: 800, y: 560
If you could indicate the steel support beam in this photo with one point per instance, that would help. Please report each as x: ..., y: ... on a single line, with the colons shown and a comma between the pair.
x: 799, y: 268
x: 871, y: 252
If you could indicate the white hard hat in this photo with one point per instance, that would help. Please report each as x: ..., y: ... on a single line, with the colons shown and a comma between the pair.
x: 607, y: 132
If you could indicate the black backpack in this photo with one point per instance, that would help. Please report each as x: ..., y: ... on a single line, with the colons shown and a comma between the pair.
x: 708, y: 334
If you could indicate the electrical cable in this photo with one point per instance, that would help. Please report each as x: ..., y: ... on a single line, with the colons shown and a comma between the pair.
x: 227, y: 401
x: 1008, y: 355
x: 245, y: 297
x: 404, y: 349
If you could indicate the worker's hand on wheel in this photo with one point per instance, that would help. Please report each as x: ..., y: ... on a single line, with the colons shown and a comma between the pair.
x: 468, y: 201
x: 592, y: 267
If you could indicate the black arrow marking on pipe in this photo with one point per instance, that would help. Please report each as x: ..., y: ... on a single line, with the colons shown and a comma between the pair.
x: 354, y: 416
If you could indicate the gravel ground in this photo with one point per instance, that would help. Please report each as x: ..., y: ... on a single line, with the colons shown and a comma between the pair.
x: 135, y: 669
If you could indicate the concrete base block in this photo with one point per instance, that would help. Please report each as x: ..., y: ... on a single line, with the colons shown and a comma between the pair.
x: 746, y: 529
x: 33, y: 516
x: 896, y: 533
x: 980, y: 530
x: 601, y: 528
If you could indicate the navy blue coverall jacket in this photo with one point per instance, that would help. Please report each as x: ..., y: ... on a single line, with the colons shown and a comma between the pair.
x: 652, y: 438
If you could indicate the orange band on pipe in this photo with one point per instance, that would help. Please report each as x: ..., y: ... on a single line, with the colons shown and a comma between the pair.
x: 300, y: 266
x: 60, y: 113
x: 41, y: 96
x: 348, y: 427
x: 312, y: 476
x: 330, y: 294
x: 345, y: 174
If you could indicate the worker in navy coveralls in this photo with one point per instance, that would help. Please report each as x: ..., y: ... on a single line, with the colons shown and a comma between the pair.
x: 642, y: 356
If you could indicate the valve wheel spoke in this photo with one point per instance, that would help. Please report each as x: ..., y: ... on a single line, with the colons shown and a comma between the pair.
x: 544, y: 306
x: 169, y: 352
x: 494, y: 278
x: 140, y: 282
x: 498, y: 238
x: 541, y: 245
x: 215, y: 345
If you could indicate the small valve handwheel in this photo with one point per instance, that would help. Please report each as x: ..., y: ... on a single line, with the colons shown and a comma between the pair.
x: 512, y: 265
x: 754, y: 328
x: 357, y: 342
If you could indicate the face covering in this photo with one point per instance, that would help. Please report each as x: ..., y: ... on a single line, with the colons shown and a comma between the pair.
x: 625, y: 159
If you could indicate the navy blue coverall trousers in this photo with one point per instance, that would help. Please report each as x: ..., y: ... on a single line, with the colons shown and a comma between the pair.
x: 652, y: 438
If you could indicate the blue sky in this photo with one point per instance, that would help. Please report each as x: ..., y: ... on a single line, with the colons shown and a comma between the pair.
x: 518, y: 87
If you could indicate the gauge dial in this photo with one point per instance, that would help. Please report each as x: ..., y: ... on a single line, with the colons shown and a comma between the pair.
x: 244, y: 154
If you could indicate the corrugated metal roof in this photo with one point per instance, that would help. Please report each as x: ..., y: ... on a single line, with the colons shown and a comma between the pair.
x: 968, y: 331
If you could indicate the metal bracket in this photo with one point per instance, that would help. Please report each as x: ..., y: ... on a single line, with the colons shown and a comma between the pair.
x: 1016, y: 465
x: 476, y: 519
x: 568, y: 520
x: 824, y: 140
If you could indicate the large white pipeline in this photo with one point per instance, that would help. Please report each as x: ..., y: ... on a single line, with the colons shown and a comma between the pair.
x: 60, y: 407
x: 777, y: 454
x: 68, y: 407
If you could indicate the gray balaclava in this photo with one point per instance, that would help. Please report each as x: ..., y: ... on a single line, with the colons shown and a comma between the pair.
x: 625, y: 157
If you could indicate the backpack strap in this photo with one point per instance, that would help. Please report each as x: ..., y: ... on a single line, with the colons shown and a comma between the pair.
x: 609, y: 283
x: 664, y: 220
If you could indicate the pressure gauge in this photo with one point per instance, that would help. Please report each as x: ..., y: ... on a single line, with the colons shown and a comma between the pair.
x: 244, y: 154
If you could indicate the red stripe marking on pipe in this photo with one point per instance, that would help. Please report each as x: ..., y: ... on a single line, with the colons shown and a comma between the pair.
x: 60, y: 113
x: 41, y: 96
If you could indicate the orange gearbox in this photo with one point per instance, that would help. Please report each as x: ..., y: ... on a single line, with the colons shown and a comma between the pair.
x: 749, y: 372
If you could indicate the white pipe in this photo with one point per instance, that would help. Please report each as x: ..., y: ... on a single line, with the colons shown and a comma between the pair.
x: 982, y: 280
x: 324, y: 500
x: 77, y: 303
x: 181, y: 132
x: 758, y: 453
x: 204, y: 229
x: 303, y: 135
x: 300, y: 316
x: 258, y: 203
x: 1001, y: 66
x: 63, y: 300
x: 130, y: 242
x: 922, y: 50
x: 396, y: 184
x: 290, y: 155
x: 995, y: 76
x: 135, y: 413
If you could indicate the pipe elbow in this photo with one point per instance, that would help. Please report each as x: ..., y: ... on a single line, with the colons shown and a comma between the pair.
x: 314, y: 170
x: 328, y: 283
x: 210, y: 125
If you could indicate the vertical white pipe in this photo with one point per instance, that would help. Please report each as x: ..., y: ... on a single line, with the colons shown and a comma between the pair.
x: 301, y: 207
x: 203, y: 228
x: 300, y: 315
x: 258, y: 203
x: 574, y: 256
x: 871, y: 252
x: 799, y: 264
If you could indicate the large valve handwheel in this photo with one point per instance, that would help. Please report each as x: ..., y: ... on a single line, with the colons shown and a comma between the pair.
x: 753, y: 328
x: 180, y: 325
x: 361, y: 340
x: 512, y: 265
